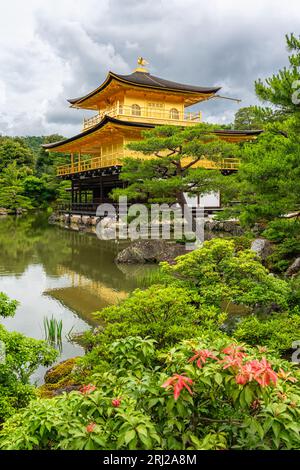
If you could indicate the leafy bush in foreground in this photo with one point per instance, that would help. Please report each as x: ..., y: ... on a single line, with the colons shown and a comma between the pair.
x: 21, y: 357
x: 207, y: 393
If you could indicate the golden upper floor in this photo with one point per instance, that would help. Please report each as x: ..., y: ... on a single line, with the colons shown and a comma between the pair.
x: 146, y: 111
x: 142, y: 97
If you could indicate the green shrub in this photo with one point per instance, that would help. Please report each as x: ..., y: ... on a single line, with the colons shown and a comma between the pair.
x: 285, y: 233
x: 7, y: 306
x: 190, y: 299
x: 294, y: 299
x: 208, y: 393
x: 167, y: 314
x: 21, y: 357
x: 277, y: 333
x: 219, y: 272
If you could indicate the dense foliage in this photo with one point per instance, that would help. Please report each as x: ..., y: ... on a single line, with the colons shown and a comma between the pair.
x: 279, y: 89
x: 285, y: 235
x: 27, y: 174
x: 170, y: 174
x: 219, y: 272
x: 254, y: 117
x: 267, y: 184
x: 19, y: 358
x: 7, y: 306
x: 206, y: 393
x: 278, y: 331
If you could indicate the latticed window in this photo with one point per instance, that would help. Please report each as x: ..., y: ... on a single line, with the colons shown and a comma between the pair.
x: 155, y: 105
x: 174, y: 113
x: 135, y: 110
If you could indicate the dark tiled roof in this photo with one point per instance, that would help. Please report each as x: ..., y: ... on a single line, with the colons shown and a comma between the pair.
x: 146, y: 80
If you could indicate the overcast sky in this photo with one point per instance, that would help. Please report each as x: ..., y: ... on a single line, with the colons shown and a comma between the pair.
x: 51, y: 50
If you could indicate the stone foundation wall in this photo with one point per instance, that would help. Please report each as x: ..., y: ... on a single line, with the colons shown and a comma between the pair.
x: 75, y: 222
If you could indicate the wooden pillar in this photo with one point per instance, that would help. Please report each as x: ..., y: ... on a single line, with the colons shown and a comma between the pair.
x: 79, y: 193
x: 79, y: 161
x: 72, y: 192
x: 72, y: 162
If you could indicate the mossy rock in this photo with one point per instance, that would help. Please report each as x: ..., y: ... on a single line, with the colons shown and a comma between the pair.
x: 60, y: 371
x: 52, y: 390
x: 60, y: 379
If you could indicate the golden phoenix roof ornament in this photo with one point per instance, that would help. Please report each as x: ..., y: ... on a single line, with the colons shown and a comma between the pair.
x: 141, y: 61
x: 141, y: 65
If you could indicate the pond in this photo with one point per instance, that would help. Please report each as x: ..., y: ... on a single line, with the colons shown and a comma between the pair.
x: 56, y: 272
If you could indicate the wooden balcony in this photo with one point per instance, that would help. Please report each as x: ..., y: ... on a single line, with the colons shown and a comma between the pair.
x: 115, y: 159
x: 106, y: 161
x: 145, y: 114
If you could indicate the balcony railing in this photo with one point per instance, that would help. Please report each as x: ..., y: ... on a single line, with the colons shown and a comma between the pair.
x: 145, y: 114
x: 115, y: 159
x: 224, y: 164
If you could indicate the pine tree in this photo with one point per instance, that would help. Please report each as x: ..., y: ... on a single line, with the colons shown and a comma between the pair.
x: 168, y: 172
x: 254, y: 117
x: 283, y: 89
x: 267, y: 183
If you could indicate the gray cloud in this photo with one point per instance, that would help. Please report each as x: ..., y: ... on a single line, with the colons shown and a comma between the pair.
x: 66, y: 47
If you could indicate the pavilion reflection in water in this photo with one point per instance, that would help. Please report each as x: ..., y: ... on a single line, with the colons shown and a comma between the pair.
x: 85, y: 296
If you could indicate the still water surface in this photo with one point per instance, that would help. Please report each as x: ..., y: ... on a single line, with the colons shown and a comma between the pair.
x: 55, y: 272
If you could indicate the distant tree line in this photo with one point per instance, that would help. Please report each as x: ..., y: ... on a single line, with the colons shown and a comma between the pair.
x: 28, y: 173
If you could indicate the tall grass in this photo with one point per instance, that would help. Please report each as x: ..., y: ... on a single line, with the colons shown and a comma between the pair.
x: 53, y: 331
x: 151, y: 277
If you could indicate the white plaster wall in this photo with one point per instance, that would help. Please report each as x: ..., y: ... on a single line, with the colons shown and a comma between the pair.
x: 211, y: 199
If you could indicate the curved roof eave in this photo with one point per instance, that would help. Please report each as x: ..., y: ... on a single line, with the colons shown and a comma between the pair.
x: 146, y: 80
x: 105, y: 120
x: 93, y: 92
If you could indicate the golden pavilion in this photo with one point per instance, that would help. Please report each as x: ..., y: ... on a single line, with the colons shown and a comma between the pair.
x: 126, y: 105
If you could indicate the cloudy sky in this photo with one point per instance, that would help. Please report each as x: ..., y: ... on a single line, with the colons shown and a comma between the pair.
x: 51, y: 50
